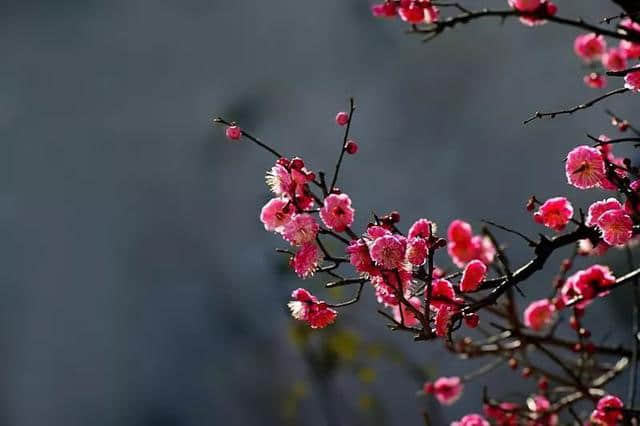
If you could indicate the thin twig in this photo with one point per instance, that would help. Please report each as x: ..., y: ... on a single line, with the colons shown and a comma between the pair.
x: 571, y: 110
x: 352, y: 108
x: 220, y: 120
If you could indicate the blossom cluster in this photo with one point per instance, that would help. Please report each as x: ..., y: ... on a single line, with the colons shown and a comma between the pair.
x: 593, y: 50
x: 432, y: 298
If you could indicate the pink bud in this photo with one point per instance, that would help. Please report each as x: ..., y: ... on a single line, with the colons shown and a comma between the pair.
x: 351, y: 147
x: 472, y: 320
x: 296, y: 164
x: 551, y: 8
x: 342, y: 118
x: 234, y: 133
x: 474, y: 273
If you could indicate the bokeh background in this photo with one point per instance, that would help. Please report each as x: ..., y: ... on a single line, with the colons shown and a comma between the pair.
x: 137, y: 285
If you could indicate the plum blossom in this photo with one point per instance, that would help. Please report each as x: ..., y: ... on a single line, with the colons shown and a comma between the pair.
x: 589, y: 46
x: 384, y: 10
x: 614, y: 60
x: 301, y: 229
x: 279, y: 180
x: 388, y: 251
x: 418, y: 11
x: 539, y: 314
x: 598, y: 208
x: 539, y: 406
x: 585, y: 167
x: 542, y: 7
x: 605, y: 413
x: 632, y: 81
x: 525, y: 5
x: 337, y: 213
x: 554, y: 213
x: 474, y: 273
x: 447, y: 390
x: 443, y: 320
x: 616, y: 227
x: 275, y: 214
x: 631, y: 49
x: 306, y: 307
x: 359, y: 257
x: 416, y: 251
x: 471, y: 420
x: 503, y: 414
x: 410, y: 319
x: 306, y: 260
x: 387, y: 286
x: 584, y: 285
x: 463, y: 246
x: 422, y: 228
x: 443, y: 294
x: 595, y: 80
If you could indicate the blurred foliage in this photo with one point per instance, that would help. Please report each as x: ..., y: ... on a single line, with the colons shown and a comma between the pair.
x: 340, y: 351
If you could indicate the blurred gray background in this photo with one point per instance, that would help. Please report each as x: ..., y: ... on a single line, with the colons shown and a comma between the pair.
x: 139, y: 288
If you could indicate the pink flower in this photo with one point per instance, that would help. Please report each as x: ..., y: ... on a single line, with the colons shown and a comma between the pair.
x: 359, y: 257
x: 459, y: 232
x: 614, y: 60
x: 632, y: 81
x: 585, y: 167
x: 630, y: 49
x: 376, y: 231
x: 305, y: 261
x: 539, y: 314
x: 539, y: 405
x: 599, y: 207
x: 606, y: 182
x: 337, y: 212
x: 301, y: 229
x: 387, y: 286
x: 422, y: 228
x: 471, y: 420
x: 275, y: 214
x: 416, y: 251
x: 484, y: 249
x: 595, y: 80
x: 388, y: 251
x: 478, y: 247
x: 443, y: 320
x: 474, y: 273
x: 504, y: 414
x: 384, y: 10
x: 555, y: 213
x: 409, y: 317
x: 279, y: 180
x: 585, y: 285
x: 418, y: 11
x: 443, y: 294
x: 525, y: 5
x: 463, y: 246
x: 589, y: 46
x: 306, y: 307
x: 447, y: 390
x: 616, y: 227
x: 604, y: 415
